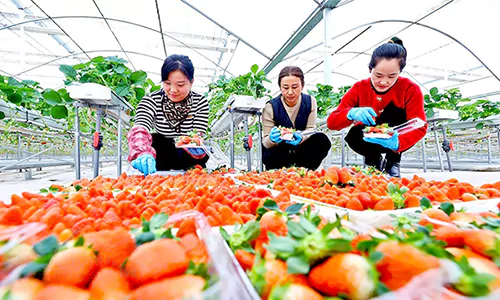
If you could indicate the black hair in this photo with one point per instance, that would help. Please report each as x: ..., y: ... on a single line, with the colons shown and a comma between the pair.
x: 392, y: 49
x: 291, y: 71
x: 177, y: 62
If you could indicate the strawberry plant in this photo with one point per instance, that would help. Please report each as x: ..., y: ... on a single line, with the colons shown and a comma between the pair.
x: 326, y: 98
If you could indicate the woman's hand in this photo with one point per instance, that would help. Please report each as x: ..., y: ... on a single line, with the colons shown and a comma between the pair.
x: 391, y: 143
x: 146, y: 164
x: 364, y: 115
x: 297, y: 138
x: 275, y: 135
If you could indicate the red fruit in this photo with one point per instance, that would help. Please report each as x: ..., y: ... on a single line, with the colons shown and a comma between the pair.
x: 385, y: 203
x: 245, y: 258
x: 60, y: 292
x: 347, y: 273
x: 12, y: 216
x: 483, y: 241
x: 178, y: 287
x: 109, y: 284
x: 74, y: 266
x: 451, y: 235
x: 113, y: 246
x: 345, y: 175
x: 400, y: 263
x: 294, y: 292
x: 354, y: 204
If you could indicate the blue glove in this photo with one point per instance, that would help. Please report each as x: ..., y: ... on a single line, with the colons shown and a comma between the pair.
x: 196, y: 153
x: 297, y: 138
x: 391, y: 143
x: 364, y: 115
x: 145, y: 163
x: 275, y: 135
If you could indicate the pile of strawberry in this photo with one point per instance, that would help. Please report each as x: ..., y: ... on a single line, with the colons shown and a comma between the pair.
x: 299, y: 255
x: 366, y: 190
x: 105, y: 203
x: 117, y: 264
x: 192, y: 139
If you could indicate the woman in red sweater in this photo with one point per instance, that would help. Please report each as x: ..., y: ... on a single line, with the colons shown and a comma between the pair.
x: 385, y: 97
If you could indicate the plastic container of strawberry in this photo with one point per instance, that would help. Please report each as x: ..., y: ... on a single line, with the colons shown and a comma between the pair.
x: 15, y: 249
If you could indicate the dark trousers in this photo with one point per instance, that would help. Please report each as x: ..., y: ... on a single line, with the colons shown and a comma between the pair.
x: 373, y: 152
x: 309, y: 154
x: 168, y: 157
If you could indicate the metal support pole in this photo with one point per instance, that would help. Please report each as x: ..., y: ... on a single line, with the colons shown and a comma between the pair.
x: 498, y: 137
x: 488, y: 139
x: 231, y: 140
x: 95, y: 157
x: 436, y: 138
x: 342, y: 143
x: 249, y: 154
x: 443, y: 129
x: 424, y: 156
x: 261, y: 163
x: 18, y: 146
x: 77, y: 145
x: 119, y: 166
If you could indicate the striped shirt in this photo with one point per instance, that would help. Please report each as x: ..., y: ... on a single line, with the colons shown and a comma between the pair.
x: 150, y: 114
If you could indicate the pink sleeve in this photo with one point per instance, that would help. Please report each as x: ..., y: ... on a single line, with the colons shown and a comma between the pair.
x: 139, y: 142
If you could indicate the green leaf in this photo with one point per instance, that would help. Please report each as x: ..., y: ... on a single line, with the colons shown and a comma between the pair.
x: 278, y: 292
x: 367, y: 245
x: 447, y: 207
x: 158, y: 221
x: 78, y: 187
x: 139, y: 93
x: 200, y: 269
x: 15, y: 98
x: 281, y: 244
x: 33, y: 268
x: 425, y: 203
x: 307, y: 225
x: 8, y: 295
x: 68, y: 71
x: 167, y: 234
x: 138, y: 77
x: 271, y: 205
x: 80, y: 242
x: 46, y: 246
x: 52, y: 97
x: 14, y: 82
x: 144, y: 237
x: 339, y: 245
x: 8, y: 90
x: 122, y: 89
x: 295, y: 230
x: 433, y: 91
x: 328, y: 228
x: 254, y: 68
x: 224, y: 234
x: 375, y: 256
x: 53, y: 189
x: 44, y: 191
x: 297, y: 265
x: 120, y: 69
x: 59, y: 112
x: 294, y: 209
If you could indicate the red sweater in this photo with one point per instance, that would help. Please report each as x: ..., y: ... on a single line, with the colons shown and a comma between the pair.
x: 403, y: 94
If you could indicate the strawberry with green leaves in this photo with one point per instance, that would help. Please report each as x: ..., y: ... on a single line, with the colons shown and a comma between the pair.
x: 479, y: 277
x: 484, y: 242
x: 242, y: 237
x: 396, y: 193
x: 266, y: 274
x: 273, y: 220
x: 346, y: 274
x: 306, y: 245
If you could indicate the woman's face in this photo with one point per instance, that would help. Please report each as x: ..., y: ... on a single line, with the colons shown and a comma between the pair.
x: 291, y: 87
x: 177, y: 86
x: 385, y: 74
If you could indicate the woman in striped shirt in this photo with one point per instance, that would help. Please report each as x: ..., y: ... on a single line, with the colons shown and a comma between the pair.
x: 168, y: 113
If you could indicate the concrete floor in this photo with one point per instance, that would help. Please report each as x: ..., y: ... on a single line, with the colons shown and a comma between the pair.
x: 14, y: 182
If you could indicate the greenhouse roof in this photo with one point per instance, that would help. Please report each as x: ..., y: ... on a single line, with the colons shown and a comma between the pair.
x: 450, y: 43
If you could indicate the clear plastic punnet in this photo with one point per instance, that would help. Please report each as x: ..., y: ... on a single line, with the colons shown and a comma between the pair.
x: 410, y: 125
x: 388, y: 132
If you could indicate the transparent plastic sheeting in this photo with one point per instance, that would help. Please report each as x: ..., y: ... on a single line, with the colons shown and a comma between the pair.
x: 449, y: 42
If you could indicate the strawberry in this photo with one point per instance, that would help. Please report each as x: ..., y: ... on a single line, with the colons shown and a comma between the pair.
x: 466, y: 218
x: 185, y: 139
x: 60, y: 292
x: 74, y: 266
x: 178, y: 287
x: 459, y: 252
x: 24, y: 288
x: 484, y: 242
x: 401, y: 262
x: 265, y: 274
x: 451, y: 235
x: 109, y: 283
x: 242, y: 237
x: 113, y: 246
x: 479, y: 277
x: 306, y: 244
x: 294, y: 292
x: 345, y: 175
x: 244, y: 258
x: 345, y: 274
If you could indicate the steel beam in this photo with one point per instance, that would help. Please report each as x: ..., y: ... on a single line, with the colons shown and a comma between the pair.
x: 299, y: 34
